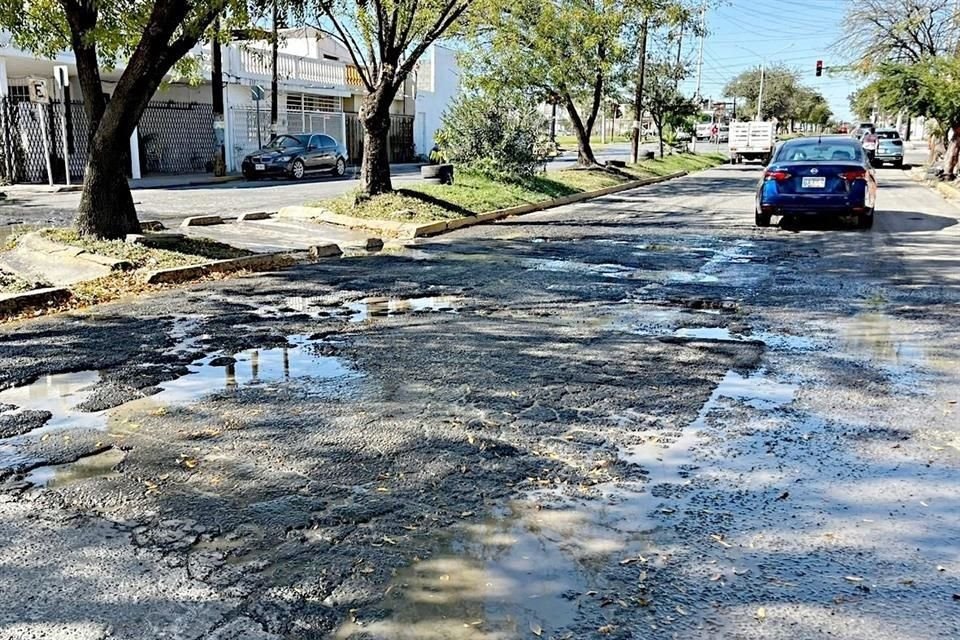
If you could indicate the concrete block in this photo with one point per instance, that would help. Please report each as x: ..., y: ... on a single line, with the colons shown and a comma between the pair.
x: 254, y: 215
x: 201, y: 221
x: 14, y: 303
x: 324, y: 251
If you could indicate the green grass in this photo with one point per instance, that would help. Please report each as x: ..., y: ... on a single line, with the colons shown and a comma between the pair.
x: 186, y: 252
x: 571, y: 141
x: 472, y: 194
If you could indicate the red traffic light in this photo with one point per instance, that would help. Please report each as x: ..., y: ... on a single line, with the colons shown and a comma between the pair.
x: 819, y: 68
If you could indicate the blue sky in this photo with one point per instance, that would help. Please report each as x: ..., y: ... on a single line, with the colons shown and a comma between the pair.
x: 794, y: 32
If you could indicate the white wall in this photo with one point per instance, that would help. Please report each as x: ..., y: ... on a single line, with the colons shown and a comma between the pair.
x: 431, y: 105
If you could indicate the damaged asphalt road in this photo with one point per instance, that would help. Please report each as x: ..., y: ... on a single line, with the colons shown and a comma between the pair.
x: 634, y: 417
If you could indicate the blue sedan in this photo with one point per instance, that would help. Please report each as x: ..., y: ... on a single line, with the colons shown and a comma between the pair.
x: 823, y: 176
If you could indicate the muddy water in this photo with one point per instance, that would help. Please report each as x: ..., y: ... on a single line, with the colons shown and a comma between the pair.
x: 61, y: 393
x: 531, y: 569
x: 99, y: 465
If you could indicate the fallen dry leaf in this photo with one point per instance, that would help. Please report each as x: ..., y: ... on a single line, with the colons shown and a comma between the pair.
x: 719, y: 539
x: 853, y: 578
x: 761, y: 613
x: 606, y: 629
x: 536, y: 629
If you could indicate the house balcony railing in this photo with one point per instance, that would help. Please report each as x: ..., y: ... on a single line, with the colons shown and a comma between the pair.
x: 253, y: 63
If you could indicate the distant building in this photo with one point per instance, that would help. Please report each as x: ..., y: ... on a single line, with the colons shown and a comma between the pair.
x: 437, y: 86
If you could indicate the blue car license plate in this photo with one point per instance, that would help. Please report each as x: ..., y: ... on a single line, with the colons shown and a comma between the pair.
x: 813, y: 183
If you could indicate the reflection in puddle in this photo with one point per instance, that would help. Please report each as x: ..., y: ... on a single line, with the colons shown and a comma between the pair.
x: 708, y: 333
x: 98, y: 465
x: 521, y: 569
x: 530, y: 567
x: 363, y: 310
x: 883, y: 338
x: 61, y: 393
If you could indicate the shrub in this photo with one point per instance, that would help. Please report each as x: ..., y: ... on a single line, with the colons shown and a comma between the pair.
x: 495, y: 135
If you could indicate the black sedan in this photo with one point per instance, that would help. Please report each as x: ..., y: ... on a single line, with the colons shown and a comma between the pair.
x: 296, y: 156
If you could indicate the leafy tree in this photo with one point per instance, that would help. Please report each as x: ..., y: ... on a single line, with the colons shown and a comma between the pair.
x: 565, y: 51
x: 780, y: 87
x: 930, y: 88
x: 386, y: 39
x: 899, y: 31
x: 499, y: 134
x: 811, y: 108
x: 151, y: 36
x: 668, y: 108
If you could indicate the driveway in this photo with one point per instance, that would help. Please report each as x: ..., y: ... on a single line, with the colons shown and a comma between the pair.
x: 635, y: 417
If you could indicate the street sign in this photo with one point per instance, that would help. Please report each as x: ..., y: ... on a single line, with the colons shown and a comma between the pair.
x: 38, y: 91
x: 62, y: 75
x: 257, y: 93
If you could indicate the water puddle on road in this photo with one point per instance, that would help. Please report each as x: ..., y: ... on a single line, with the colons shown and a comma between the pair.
x: 98, y: 465
x: 61, y: 393
x: 538, y: 567
x: 368, y: 308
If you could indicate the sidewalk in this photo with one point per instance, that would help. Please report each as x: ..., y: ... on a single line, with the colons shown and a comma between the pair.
x: 181, y: 180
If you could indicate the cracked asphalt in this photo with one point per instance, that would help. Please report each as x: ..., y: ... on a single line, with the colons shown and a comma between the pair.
x: 635, y: 417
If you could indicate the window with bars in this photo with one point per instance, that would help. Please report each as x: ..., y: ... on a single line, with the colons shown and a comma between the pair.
x: 18, y: 93
x: 319, y: 104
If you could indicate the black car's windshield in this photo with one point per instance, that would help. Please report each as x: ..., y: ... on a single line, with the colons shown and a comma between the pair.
x: 820, y: 151
x: 286, y: 142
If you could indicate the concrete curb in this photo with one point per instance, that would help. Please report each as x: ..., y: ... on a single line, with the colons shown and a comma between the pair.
x: 14, y: 303
x: 201, y: 221
x: 948, y: 190
x: 259, y: 262
x: 35, y: 242
x: 408, y: 230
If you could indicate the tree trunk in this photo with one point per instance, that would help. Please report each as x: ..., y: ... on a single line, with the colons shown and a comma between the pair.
x: 106, y: 207
x: 953, y: 152
x: 375, y: 117
x: 585, y: 156
x: 638, y: 96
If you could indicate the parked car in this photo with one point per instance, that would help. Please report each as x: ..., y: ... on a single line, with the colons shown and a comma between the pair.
x: 828, y: 175
x: 295, y: 156
x: 889, y: 148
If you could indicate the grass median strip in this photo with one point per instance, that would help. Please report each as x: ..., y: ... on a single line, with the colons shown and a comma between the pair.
x: 473, y: 194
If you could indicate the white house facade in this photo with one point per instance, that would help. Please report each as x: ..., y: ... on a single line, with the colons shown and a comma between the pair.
x: 438, y: 84
x: 319, y: 90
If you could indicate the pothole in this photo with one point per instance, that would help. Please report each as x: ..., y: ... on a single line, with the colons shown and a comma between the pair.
x: 98, y: 465
x: 60, y: 394
x: 368, y: 308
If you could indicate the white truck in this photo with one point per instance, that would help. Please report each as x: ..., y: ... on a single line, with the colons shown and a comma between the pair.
x: 751, y: 141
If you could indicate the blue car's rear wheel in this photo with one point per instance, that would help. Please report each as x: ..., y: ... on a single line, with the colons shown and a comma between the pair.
x: 761, y: 219
x: 865, y: 220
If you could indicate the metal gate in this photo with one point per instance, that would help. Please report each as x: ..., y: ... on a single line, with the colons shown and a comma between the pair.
x: 21, y: 144
x: 243, y: 123
x: 175, y: 137
x: 400, y: 147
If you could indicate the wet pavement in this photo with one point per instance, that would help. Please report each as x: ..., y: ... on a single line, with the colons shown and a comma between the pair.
x: 637, y: 417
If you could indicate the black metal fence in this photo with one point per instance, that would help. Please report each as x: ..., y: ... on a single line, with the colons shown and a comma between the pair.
x: 174, y: 137
x: 399, y: 144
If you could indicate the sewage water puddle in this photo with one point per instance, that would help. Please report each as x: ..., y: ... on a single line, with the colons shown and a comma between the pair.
x: 98, y: 465
x: 536, y: 566
x: 368, y: 308
x: 61, y: 393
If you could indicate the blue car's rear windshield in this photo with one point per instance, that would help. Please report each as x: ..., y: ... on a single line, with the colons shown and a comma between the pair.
x: 824, y: 150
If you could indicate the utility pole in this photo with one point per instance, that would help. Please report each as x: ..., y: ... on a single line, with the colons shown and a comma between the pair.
x: 703, y: 35
x: 763, y: 66
x: 274, y: 82
x: 638, y: 94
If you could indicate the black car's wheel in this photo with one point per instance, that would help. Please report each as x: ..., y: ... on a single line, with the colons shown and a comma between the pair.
x: 298, y: 169
x: 761, y: 219
x: 340, y: 168
x: 865, y: 220
x: 898, y: 164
